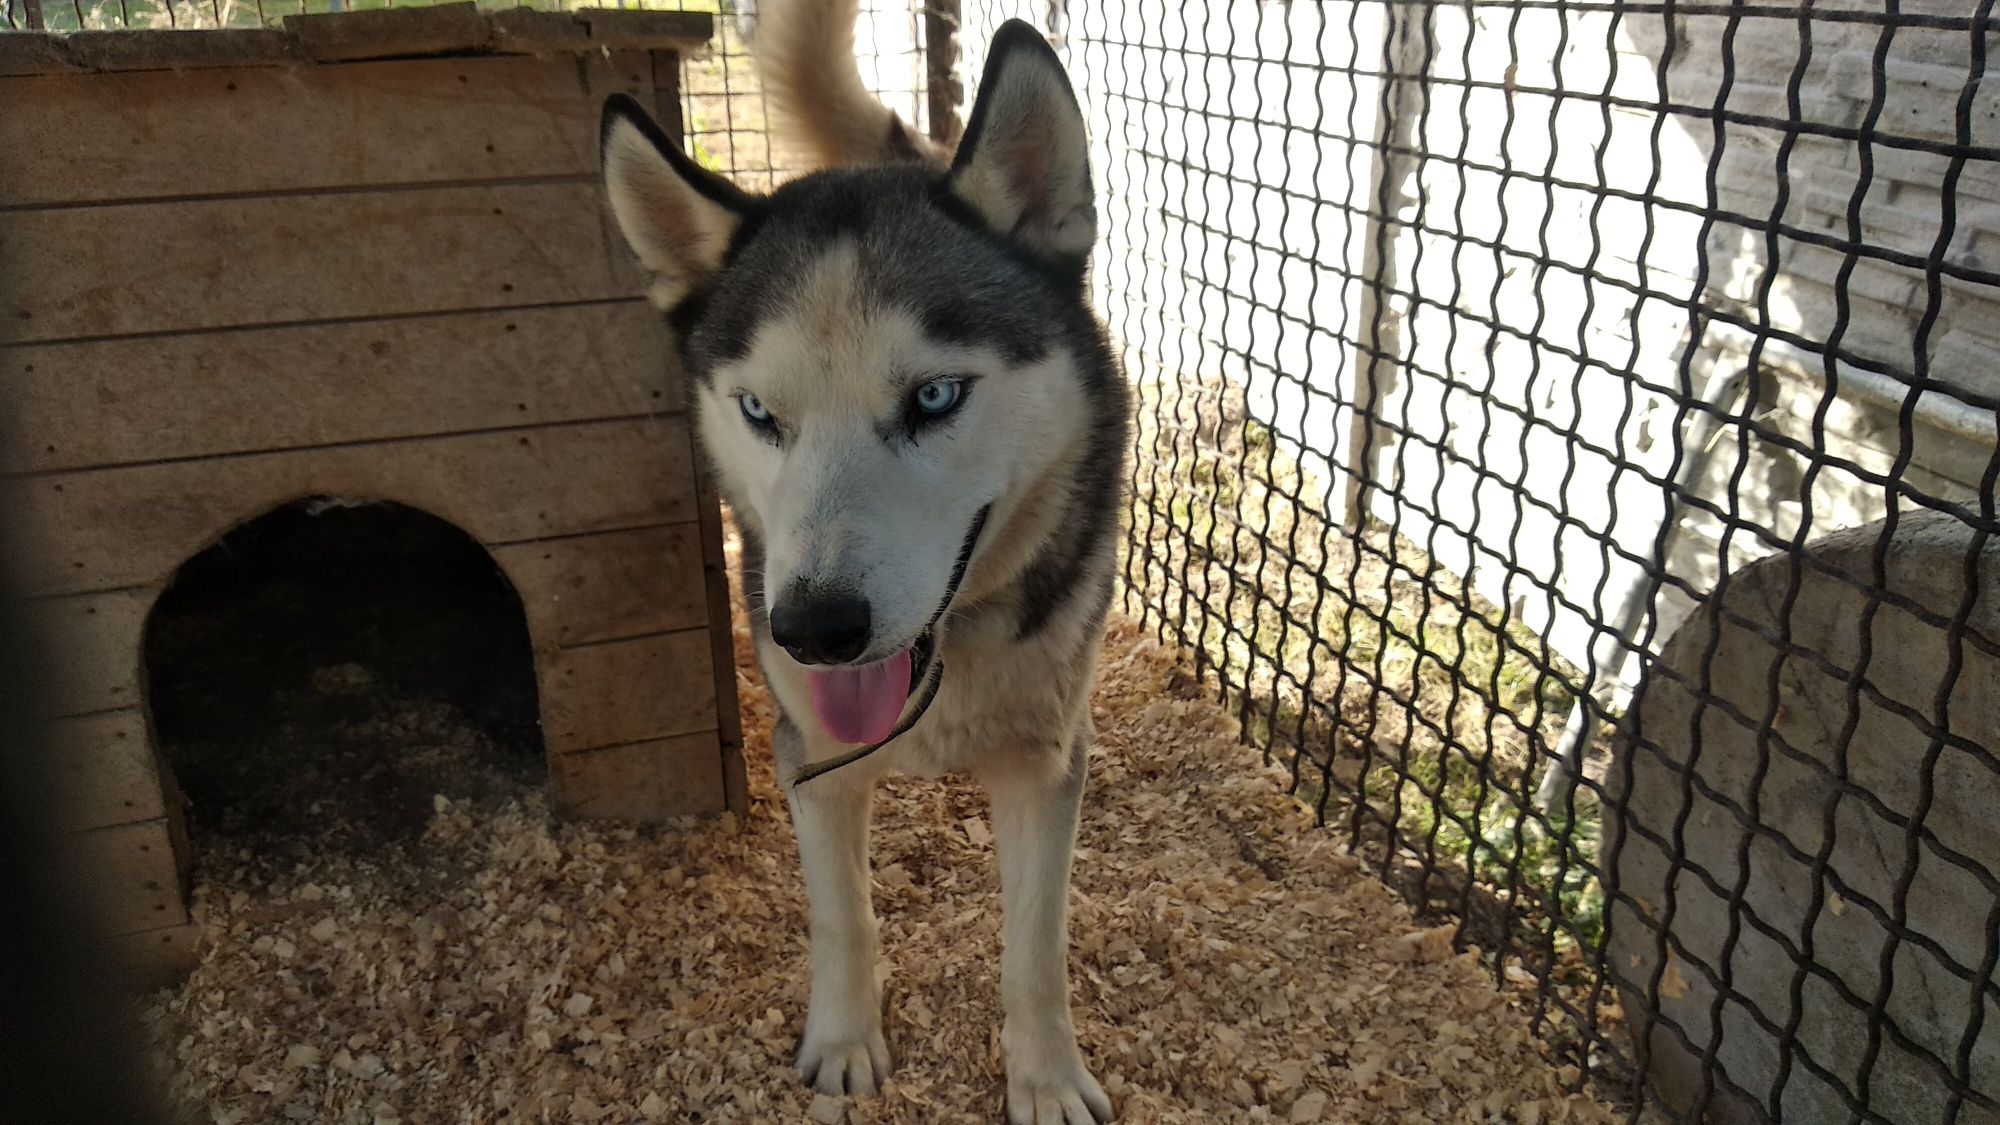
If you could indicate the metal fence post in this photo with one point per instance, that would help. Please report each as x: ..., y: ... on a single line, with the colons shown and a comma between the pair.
x: 1393, y: 164
x: 941, y: 85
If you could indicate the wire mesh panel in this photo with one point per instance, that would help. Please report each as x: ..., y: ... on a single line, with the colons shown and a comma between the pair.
x: 1504, y: 368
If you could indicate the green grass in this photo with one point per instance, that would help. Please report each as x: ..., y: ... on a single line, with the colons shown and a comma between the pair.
x: 1374, y: 674
x: 698, y: 152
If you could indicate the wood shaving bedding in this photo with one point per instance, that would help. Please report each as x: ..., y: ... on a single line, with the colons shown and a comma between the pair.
x: 1230, y: 961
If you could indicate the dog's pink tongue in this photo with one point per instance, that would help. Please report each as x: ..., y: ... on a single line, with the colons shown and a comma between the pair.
x: 860, y: 706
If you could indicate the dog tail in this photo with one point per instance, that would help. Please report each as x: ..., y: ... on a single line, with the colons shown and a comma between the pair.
x: 804, y: 52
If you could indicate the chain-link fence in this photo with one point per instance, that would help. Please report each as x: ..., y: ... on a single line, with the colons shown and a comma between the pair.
x: 1567, y: 441
x: 1504, y: 368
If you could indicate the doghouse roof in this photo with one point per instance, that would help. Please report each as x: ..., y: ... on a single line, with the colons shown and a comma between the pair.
x: 444, y: 30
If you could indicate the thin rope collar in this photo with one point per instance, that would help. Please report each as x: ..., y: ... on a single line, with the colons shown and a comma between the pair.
x: 933, y: 676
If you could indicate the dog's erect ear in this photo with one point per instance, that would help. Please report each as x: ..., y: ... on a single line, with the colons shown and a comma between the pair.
x: 677, y: 216
x: 1024, y: 164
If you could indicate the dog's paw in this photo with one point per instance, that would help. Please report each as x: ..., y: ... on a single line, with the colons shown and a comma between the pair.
x: 855, y: 1063
x: 1071, y: 1099
x: 1048, y: 1084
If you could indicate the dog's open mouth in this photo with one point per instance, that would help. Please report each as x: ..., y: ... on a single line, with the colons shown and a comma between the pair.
x: 859, y: 704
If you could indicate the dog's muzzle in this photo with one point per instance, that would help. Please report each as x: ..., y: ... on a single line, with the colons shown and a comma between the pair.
x: 926, y: 666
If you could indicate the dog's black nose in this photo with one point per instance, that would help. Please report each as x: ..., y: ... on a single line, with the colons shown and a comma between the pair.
x: 820, y: 626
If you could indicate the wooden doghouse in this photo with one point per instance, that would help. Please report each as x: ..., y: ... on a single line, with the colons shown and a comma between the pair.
x: 362, y: 256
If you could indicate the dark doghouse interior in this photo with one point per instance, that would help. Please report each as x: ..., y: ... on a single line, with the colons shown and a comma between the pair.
x: 324, y: 672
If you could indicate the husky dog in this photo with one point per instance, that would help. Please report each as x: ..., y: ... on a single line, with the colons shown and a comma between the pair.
x: 920, y: 426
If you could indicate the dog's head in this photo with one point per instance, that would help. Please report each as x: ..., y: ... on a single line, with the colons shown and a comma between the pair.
x: 884, y: 360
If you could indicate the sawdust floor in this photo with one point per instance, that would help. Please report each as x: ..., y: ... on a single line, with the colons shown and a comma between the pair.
x: 491, y: 965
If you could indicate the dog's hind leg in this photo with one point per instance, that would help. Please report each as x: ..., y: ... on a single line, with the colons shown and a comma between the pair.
x: 842, y: 1050
x: 1035, y: 807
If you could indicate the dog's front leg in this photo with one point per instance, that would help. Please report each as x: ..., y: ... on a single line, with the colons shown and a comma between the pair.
x: 1035, y: 806
x: 842, y: 1050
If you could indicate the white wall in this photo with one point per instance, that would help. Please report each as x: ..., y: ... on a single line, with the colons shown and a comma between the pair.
x: 1634, y: 346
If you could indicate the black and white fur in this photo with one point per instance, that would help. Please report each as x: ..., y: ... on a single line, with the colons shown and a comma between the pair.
x: 826, y: 302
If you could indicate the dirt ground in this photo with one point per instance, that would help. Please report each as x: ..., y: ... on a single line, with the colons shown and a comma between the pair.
x: 481, y: 962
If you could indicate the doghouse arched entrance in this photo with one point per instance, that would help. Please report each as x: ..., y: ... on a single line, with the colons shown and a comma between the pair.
x: 323, y: 672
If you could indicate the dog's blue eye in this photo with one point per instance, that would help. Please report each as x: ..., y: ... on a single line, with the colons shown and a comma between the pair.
x: 753, y: 409
x: 939, y: 395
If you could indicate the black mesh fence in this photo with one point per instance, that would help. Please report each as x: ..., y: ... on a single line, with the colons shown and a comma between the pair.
x: 1567, y: 443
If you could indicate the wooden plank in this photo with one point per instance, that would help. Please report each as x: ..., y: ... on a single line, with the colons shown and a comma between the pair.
x: 176, y: 267
x: 182, y: 49
x: 708, y: 515
x: 173, y: 134
x: 614, y: 584
x: 614, y: 28
x: 461, y: 29
x: 152, y: 959
x: 722, y: 638
x: 32, y: 54
x: 390, y: 32
x: 523, y: 29
x: 93, y: 644
x: 645, y: 782
x: 134, y: 874
x: 105, y: 528
x: 666, y: 101
x: 105, y: 770
x: 536, y: 32
x: 113, y: 402
x: 627, y: 691
x: 366, y: 35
